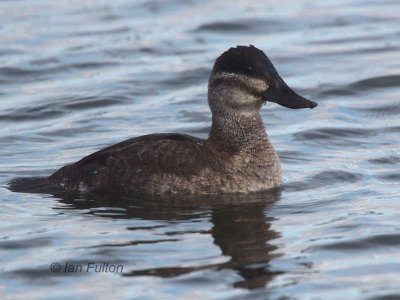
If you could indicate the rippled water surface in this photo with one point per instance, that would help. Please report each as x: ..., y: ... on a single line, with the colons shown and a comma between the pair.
x: 76, y: 76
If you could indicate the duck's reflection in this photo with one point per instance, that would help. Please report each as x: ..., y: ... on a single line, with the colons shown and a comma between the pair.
x: 243, y: 233
x: 240, y: 227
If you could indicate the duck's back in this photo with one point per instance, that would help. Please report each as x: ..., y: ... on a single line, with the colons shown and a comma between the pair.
x: 156, y: 164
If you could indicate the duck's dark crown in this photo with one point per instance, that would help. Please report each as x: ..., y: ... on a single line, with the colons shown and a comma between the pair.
x: 246, y: 60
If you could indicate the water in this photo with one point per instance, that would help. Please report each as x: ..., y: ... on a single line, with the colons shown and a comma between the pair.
x: 79, y: 75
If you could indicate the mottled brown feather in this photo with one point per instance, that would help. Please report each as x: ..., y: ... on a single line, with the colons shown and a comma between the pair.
x: 130, y: 165
x: 237, y: 157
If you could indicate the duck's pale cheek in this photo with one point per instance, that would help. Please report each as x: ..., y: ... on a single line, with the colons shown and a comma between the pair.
x: 259, y: 85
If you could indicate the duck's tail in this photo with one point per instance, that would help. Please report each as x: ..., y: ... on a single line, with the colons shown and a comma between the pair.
x: 29, y: 185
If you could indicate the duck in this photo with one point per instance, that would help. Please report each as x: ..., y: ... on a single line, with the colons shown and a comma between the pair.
x: 237, y: 156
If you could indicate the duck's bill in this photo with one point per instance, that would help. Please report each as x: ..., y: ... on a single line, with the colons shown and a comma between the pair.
x: 280, y: 93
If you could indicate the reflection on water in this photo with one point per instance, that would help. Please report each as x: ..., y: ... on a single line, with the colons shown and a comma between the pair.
x: 240, y: 227
x: 242, y: 233
x: 77, y: 76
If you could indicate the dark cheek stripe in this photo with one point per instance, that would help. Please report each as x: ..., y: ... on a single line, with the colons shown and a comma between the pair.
x: 236, y: 83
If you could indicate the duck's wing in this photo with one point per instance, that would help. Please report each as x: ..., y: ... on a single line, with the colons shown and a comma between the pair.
x: 178, y: 154
x: 159, y: 149
x: 150, y: 143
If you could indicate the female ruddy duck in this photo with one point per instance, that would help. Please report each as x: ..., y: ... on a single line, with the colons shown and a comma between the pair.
x: 237, y: 157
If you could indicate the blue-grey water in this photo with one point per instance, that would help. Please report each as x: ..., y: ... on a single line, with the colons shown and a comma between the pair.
x: 76, y: 76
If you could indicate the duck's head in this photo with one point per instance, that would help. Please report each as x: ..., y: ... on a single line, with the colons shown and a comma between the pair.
x: 243, y: 78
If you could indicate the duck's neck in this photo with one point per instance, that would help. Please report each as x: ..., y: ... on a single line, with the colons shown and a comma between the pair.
x: 236, y: 132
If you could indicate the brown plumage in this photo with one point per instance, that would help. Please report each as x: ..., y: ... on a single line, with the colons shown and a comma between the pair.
x: 236, y: 157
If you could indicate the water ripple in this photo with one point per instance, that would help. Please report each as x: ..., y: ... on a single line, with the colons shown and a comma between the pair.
x: 324, y: 178
x: 389, y: 160
x: 244, y: 25
x: 376, y: 82
x: 16, y: 75
x: 25, y: 244
x: 335, y: 136
x: 361, y: 244
x: 379, y: 82
x: 62, y: 106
